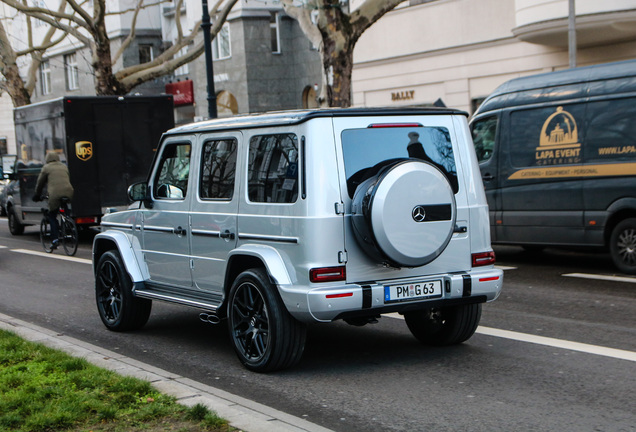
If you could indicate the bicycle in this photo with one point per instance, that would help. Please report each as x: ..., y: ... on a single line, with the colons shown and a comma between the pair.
x: 68, y: 236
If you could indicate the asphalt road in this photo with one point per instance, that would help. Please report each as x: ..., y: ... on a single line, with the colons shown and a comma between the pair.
x: 378, y: 377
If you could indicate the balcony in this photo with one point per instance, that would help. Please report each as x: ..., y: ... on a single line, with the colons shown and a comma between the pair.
x: 545, y: 22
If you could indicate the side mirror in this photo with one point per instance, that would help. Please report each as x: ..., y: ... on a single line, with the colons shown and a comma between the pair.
x: 140, y: 192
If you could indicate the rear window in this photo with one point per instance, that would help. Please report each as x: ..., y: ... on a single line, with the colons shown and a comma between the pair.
x: 367, y: 151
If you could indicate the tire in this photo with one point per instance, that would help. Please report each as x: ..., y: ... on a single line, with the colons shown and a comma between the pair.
x: 264, y: 335
x: 623, y: 246
x: 70, y: 237
x: 45, y: 235
x: 15, y: 227
x: 118, y: 308
x: 444, y: 326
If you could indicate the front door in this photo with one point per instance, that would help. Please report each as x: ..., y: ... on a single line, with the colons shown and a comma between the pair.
x: 165, y: 225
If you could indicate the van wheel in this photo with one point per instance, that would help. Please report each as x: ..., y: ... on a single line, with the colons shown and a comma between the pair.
x: 118, y: 308
x: 15, y: 227
x: 444, y: 326
x: 623, y: 246
x: 264, y: 335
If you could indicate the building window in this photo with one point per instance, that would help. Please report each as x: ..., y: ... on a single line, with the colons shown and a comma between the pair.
x: 182, y: 70
x: 71, y: 71
x: 145, y: 54
x: 274, y: 26
x: 45, y: 77
x: 221, y: 44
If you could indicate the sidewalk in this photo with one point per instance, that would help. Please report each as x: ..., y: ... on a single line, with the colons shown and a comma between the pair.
x: 240, y: 412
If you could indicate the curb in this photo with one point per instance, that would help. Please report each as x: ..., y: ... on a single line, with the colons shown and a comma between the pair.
x: 241, y: 413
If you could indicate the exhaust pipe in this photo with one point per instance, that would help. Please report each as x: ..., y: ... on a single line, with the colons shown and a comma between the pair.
x: 209, y: 318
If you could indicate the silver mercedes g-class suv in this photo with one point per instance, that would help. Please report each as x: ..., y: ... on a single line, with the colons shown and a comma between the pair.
x: 273, y: 221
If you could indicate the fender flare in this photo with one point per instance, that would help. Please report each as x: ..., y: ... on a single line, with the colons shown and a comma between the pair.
x: 274, y: 262
x: 621, y: 204
x: 121, y: 241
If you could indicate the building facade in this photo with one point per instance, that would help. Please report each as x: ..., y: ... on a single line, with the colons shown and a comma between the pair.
x: 459, y: 51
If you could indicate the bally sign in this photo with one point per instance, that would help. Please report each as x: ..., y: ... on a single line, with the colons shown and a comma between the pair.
x: 182, y: 92
x: 403, y: 95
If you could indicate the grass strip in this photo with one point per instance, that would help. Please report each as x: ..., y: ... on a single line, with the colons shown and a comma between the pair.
x: 43, y: 389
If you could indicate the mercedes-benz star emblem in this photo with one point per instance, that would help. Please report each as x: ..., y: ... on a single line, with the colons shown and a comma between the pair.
x: 419, y: 213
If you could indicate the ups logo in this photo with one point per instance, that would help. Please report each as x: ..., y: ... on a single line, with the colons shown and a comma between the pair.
x: 84, y: 150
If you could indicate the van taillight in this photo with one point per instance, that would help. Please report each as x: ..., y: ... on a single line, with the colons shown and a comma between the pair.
x: 328, y: 274
x: 483, y: 258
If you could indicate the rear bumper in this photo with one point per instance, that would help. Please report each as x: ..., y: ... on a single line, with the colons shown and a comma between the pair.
x: 337, y: 301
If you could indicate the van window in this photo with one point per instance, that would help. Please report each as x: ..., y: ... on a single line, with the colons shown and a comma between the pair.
x: 218, y: 167
x: 484, y: 132
x: 547, y: 136
x: 171, y: 181
x: 611, y: 131
x: 368, y: 150
x: 273, y: 168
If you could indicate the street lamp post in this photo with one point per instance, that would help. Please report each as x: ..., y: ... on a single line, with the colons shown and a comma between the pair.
x: 205, y: 26
x: 572, y: 33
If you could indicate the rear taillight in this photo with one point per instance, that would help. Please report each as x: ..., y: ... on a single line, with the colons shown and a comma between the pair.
x: 483, y: 259
x: 328, y: 274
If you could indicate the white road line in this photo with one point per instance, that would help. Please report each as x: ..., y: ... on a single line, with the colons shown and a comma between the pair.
x: 505, y: 267
x: 47, y: 255
x: 556, y: 343
x: 3, y: 247
x: 601, y: 277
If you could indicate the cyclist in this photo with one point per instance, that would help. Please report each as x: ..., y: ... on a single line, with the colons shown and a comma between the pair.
x: 56, y: 178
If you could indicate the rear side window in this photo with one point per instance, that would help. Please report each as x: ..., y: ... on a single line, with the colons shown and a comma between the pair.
x: 484, y: 132
x: 218, y: 168
x: 366, y: 151
x: 273, y: 169
x: 171, y: 181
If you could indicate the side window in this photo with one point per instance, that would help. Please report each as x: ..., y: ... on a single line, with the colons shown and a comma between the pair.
x: 273, y: 168
x: 174, y: 169
x: 611, y: 131
x: 218, y: 168
x: 484, y: 132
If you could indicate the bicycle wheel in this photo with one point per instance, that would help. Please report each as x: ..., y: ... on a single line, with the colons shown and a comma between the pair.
x: 69, y: 235
x: 45, y: 235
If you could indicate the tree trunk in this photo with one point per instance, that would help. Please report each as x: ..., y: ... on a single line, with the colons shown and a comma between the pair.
x: 338, y: 67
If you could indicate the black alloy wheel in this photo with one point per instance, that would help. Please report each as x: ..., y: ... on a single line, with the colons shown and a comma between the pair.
x: 264, y: 335
x: 118, y: 308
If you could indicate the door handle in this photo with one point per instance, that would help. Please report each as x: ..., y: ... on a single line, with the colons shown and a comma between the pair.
x: 227, y: 234
x: 488, y: 177
x: 180, y: 231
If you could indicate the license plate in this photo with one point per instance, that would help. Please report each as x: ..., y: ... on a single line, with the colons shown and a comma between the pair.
x: 412, y: 291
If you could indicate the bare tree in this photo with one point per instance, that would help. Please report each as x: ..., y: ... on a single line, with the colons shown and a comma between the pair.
x: 88, y: 26
x: 335, y: 32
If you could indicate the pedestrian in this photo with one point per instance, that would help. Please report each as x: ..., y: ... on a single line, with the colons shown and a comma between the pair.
x: 56, y: 178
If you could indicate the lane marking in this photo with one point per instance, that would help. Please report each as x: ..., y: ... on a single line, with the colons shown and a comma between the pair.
x: 601, y: 277
x: 47, y: 255
x: 552, y: 342
x: 505, y: 267
x: 3, y: 247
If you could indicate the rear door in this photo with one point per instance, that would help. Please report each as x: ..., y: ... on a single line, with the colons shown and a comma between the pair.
x: 367, y: 142
x: 214, y: 210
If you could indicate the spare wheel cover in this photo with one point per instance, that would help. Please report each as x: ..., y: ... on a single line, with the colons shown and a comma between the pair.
x: 412, y: 213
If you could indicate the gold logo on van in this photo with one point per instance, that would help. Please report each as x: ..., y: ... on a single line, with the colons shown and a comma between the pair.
x: 558, y: 142
x: 84, y: 150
